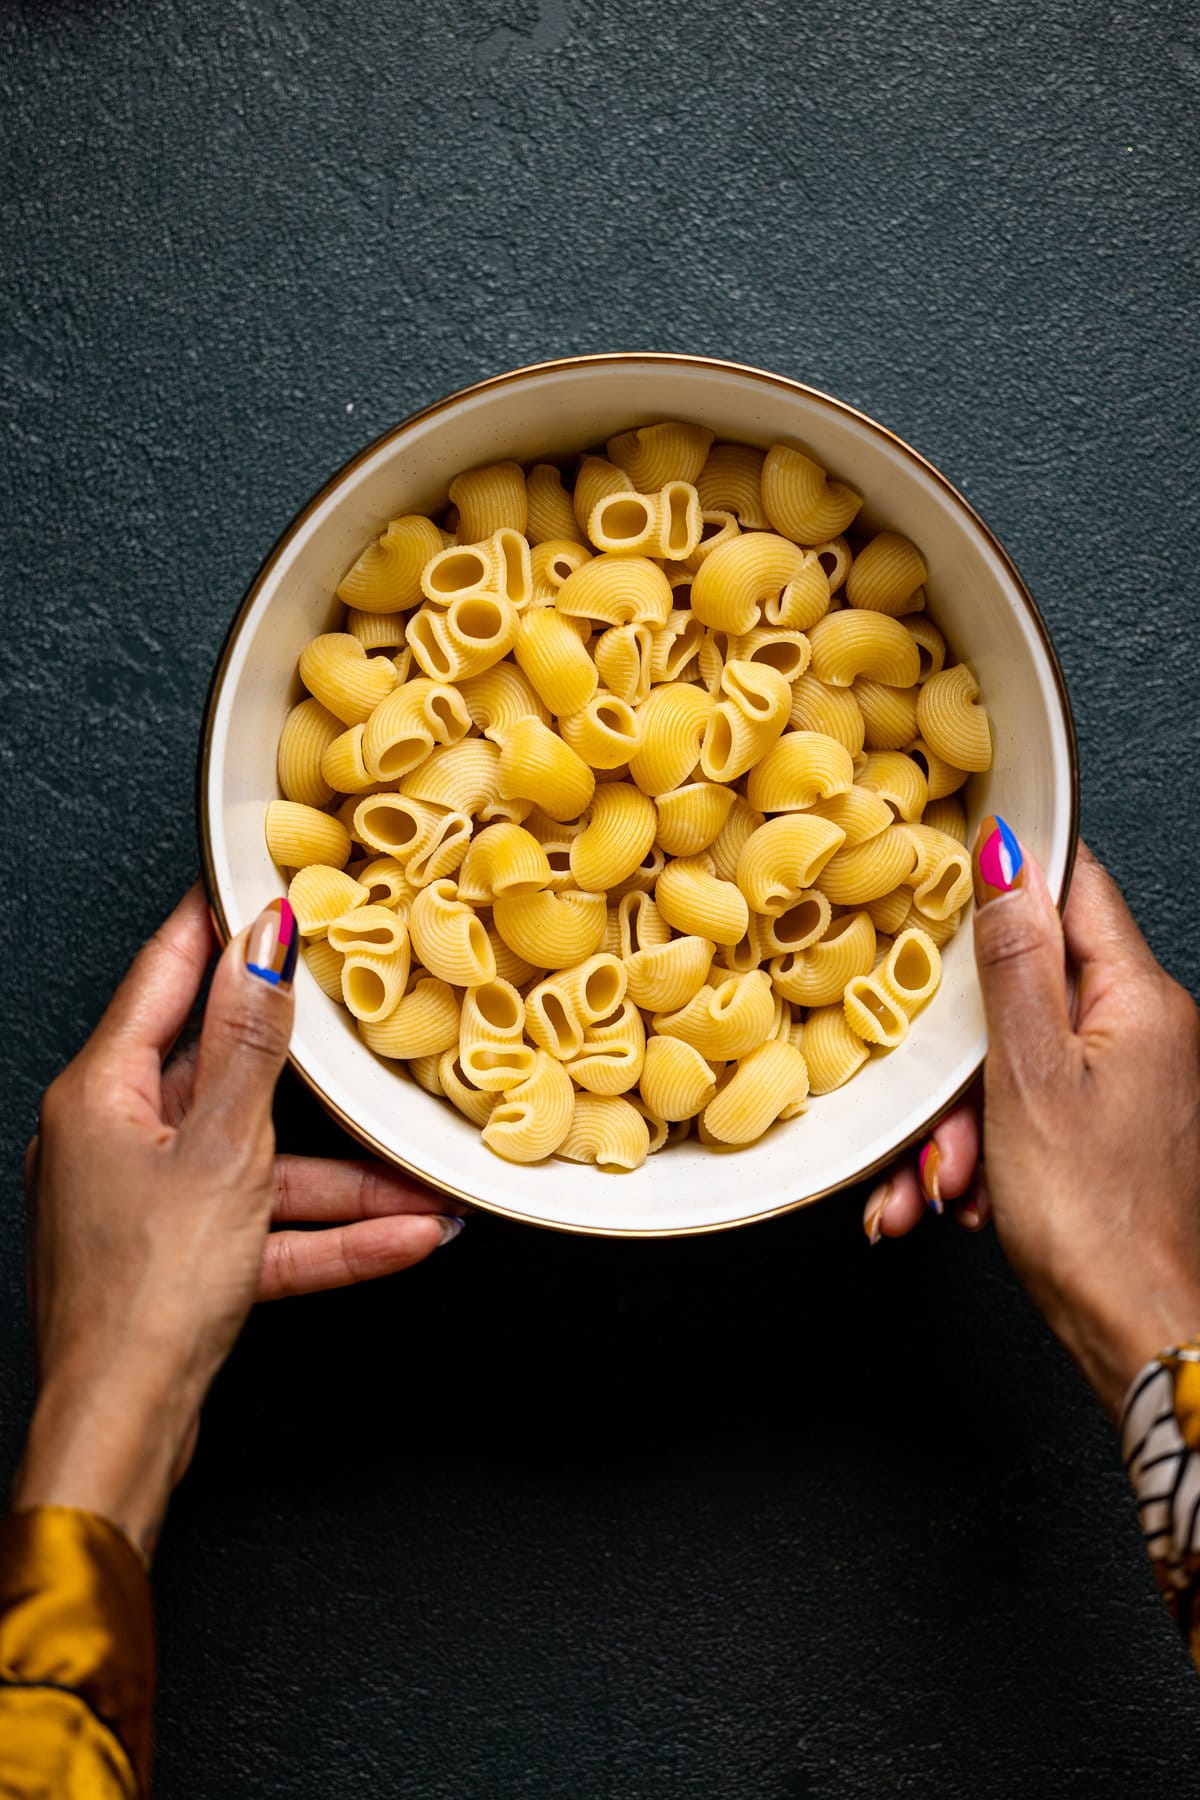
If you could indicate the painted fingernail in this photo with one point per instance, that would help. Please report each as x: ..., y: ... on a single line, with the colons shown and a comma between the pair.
x: 996, y: 863
x: 450, y: 1230
x: 929, y: 1163
x: 272, y: 944
x: 975, y: 1212
x: 875, y: 1208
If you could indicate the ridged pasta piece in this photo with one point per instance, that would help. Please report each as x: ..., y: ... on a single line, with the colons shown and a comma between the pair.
x: 848, y: 644
x: 536, y: 764
x: 872, y: 1014
x: 731, y: 481
x: 870, y: 869
x: 552, y: 930
x: 636, y: 924
x: 832, y: 1051
x: 931, y: 645
x: 725, y: 1020
x: 622, y: 656
x: 499, y: 697
x: 859, y: 812
x: 817, y: 976
x: 783, y: 858
x: 471, y: 1101
x: 394, y: 825
x: 606, y: 733
x: 533, y: 1120
x: 596, y: 477
x: 801, y: 500
x: 343, y: 766
x: 298, y: 835
x: 947, y: 815
x: 490, y: 498
x: 747, y: 720
x: 711, y: 657
x: 377, y: 631
x: 325, y: 967
x: 387, y: 576
x: 768, y: 1083
x: 673, y: 720
x: 667, y: 523
x: 491, y: 1048
x: 743, y: 821
x: 449, y: 937
x: 607, y: 1131
x: 307, y: 732
x: 496, y: 567
x: 664, y: 977
x: 644, y: 877
x: 463, y: 777
x: 911, y: 970
x: 716, y: 528
x: 423, y: 1024
x: 619, y: 830
x: 897, y: 779
x: 941, y: 777
x: 676, y: 1081
x: 593, y: 989
x: 617, y: 590
x: 424, y: 1071
x: 551, y: 1019
x: 373, y: 983
x: 803, y: 767
x: 318, y: 894
x: 557, y: 664
x: 787, y: 651
x: 690, y: 817
x: 402, y: 663
x: 952, y: 722
x: 550, y: 564
x: 550, y: 512
x: 659, y: 1130
x: 886, y: 574
x: 834, y: 712
x: 610, y: 1061
x: 502, y: 859
x: 403, y: 729
x: 386, y: 883
x: 464, y: 638
x: 549, y: 831
x: 734, y: 587
x: 743, y: 956
x: 835, y: 558
x: 673, y: 646
x: 376, y: 930
x: 889, y: 912
x: 510, y: 966
x: 941, y: 880
x: 691, y: 896
x: 652, y: 455
x: 798, y: 926
x: 337, y: 671
x: 890, y: 713
x: 939, y: 930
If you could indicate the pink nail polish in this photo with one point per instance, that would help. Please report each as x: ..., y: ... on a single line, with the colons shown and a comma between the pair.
x: 272, y: 944
x: 997, y: 864
x: 928, y: 1165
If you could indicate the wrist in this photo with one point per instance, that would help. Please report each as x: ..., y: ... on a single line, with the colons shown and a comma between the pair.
x: 107, y: 1445
x: 1112, y: 1342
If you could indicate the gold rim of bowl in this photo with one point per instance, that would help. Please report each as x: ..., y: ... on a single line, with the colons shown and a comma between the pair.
x: 665, y: 359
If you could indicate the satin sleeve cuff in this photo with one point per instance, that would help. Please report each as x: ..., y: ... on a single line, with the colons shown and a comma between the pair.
x: 1160, y: 1443
x: 76, y: 1615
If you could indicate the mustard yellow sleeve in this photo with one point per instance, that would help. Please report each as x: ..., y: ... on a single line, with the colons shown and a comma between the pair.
x: 77, y: 1661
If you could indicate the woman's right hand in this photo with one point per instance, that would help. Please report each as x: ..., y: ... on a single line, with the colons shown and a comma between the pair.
x: 1091, y: 1133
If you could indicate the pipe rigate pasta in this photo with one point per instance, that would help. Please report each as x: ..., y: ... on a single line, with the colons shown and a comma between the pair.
x: 652, y: 785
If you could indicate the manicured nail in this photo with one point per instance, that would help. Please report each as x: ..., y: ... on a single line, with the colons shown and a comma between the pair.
x: 997, y: 864
x: 450, y: 1230
x: 975, y: 1212
x: 875, y: 1209
x: 272, y: 945
x: 929, y: 1163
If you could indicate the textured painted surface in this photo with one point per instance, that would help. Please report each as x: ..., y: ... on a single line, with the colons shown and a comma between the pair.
x: 769, y: 1516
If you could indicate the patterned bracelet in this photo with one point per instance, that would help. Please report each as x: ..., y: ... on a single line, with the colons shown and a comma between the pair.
x: 1160, y: 1442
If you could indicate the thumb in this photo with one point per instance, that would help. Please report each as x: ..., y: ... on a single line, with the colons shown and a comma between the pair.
x: 247, y: 1024
x: 1019, y: 953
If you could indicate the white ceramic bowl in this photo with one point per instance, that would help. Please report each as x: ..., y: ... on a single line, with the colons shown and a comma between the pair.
x: 550, y: 410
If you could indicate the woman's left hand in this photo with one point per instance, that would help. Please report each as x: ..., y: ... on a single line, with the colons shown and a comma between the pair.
x: 152, y: 1189
x: 943, y: 1175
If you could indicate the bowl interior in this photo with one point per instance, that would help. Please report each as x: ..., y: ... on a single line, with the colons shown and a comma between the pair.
x: 551, y: 411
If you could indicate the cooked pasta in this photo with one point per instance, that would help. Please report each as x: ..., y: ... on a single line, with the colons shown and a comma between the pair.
x: 652, y: 784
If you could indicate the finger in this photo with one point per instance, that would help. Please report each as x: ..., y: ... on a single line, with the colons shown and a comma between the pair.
x: 1019, y: 954
x: 306, y: 1262
x: 1102, y: 936
x: 151, y: 1006
x: 313, y: 1189
x: 895, y: 1207
x: 946, y: 1161
x: 975, y: 1211
x: 244, y: 1038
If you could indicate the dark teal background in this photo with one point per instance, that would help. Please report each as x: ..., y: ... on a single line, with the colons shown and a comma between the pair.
x: 758, y: 1517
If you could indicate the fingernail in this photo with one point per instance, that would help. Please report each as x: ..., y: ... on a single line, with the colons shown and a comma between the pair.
x: 875, y: 1209
x: 272, y: 944
x: 976, y: 1212
x: 929, y: 1163
x: 450, y: 1230
x: 997, y: 864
